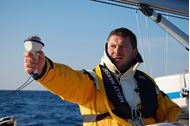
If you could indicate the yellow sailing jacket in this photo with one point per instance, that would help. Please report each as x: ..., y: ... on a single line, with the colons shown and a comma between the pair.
x: 76, y: 87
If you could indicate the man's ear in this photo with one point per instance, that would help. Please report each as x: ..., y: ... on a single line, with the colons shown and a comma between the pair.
x: 136, y: 51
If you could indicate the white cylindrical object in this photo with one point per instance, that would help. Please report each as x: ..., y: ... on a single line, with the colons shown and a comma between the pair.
x: 33, y: 44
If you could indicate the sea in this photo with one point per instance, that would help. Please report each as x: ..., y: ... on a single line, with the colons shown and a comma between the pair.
x: 38, y: 108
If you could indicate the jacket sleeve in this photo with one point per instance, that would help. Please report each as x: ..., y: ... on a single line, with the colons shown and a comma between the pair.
x: 167, y: 110
x: 71, y: 85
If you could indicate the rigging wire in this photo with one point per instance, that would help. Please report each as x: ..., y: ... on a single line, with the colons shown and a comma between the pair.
x: 167, y: 36
x: 129, y: 6
x: 148, y: 43
x: 140, y: 40
x: 167, y: 54
x: 26, y: 83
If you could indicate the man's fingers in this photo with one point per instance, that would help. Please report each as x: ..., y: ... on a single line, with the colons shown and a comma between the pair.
x: 30, y: 60
x: 33, y: 62
x: 40, y: 53
x: 30, y: 65
x: 28, y: 54
x: 29, y: 71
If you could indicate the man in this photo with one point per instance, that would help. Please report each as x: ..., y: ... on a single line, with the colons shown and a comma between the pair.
x: 115, y: 93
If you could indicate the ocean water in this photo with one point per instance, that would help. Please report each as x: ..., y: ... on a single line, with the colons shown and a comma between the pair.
x: 39, y: 108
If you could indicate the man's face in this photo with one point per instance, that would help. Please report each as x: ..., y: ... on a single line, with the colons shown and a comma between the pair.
x: 121, y: 51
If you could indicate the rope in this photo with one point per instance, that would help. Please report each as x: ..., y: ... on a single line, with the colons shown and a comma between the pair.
x: 26, y: 83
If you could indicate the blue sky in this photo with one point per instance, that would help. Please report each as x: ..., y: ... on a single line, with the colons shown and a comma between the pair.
x: 74, y: 33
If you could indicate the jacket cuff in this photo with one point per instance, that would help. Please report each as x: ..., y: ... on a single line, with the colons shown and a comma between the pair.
x: 48, y: 65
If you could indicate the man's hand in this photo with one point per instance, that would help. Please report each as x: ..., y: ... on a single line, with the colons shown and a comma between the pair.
x: 31, y: 62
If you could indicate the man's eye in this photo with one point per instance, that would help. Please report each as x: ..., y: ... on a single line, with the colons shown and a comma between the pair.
x: 124, y: 46
x: 112, y: 46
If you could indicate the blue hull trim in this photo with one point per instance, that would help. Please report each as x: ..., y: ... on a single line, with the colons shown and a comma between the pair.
x: 174, y: 95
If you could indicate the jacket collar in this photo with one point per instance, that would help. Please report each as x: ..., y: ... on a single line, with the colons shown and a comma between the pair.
x: 105, y: 60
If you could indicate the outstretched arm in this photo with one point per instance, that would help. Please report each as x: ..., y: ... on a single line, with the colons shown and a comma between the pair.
x: 71, y: 85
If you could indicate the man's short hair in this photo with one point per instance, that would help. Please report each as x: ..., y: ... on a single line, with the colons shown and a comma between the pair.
x: 124, y: 32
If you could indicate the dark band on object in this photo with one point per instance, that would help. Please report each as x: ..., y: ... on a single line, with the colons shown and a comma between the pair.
x: 34, y: 41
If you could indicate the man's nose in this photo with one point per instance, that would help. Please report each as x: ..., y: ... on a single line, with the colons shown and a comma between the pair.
x: 117, y: 50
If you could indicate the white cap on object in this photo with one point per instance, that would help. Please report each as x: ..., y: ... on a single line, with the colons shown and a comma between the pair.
x: 33, y: 44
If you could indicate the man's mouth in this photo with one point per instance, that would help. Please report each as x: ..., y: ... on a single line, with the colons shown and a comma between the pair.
x: 116, y: 59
